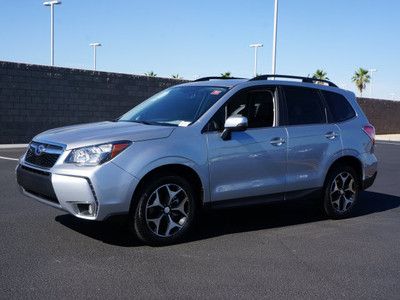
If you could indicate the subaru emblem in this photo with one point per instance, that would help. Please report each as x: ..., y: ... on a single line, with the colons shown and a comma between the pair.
x: 40, y: 149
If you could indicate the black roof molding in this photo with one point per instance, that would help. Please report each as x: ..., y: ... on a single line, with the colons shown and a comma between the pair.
x: 303, y: 79
x: 215, y: 77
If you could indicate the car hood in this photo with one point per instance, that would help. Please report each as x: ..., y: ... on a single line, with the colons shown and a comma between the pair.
x: 76, y: 136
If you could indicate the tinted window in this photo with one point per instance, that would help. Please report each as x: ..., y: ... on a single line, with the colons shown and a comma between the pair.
x: 176, y: 105
x: 340, y: 109
x: 257, y: 106
x: 304, y: 106
x: 261, y: 109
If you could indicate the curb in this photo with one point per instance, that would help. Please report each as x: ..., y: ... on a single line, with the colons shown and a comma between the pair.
x: 13, y: 146
x: 388, y: 137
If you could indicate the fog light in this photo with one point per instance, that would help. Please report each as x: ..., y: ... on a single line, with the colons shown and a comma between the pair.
x: 88, y: 210
x: 91, y: 209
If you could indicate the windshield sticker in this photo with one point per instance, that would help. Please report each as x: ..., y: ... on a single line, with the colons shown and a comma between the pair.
x: 184, y: 124
x: 216, y: 92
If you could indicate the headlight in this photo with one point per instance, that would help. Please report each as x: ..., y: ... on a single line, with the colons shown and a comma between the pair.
x: 96, y: 155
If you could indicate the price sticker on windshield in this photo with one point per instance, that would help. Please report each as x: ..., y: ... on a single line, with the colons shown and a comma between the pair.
x: 184, y: 124
x: 216, y: 92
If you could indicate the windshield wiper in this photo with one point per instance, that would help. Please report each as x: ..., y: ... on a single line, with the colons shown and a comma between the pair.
x: 150, y: 122
x: 143, y: 122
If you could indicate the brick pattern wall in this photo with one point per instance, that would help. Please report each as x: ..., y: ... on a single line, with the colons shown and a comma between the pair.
x: 383, y: 114
x: 34, y: 98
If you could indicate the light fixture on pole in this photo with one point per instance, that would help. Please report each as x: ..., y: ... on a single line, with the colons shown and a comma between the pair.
x: 255, y: 46
x: 51, y: 4
x: 370, y: 71
x: 274, y: 37
x: 94, y: 45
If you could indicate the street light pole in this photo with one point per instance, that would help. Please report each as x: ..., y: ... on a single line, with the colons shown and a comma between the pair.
x: 255, y: 46
x: 370, y: 84
x: 274, y: 37
x: 51, y: 4
x: 94, y: 45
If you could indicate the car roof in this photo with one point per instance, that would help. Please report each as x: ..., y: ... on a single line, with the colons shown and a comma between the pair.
x: 245, y: 82
x: 228, y: 83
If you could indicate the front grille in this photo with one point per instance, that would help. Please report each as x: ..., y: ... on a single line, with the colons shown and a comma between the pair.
x: 43, y: 196
x: 46, y: 158
x: 36, y: 182
x: 35, y: 171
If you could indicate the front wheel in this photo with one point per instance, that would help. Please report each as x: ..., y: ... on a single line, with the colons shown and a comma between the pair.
x: 165, y: 211
x: 341, y: 192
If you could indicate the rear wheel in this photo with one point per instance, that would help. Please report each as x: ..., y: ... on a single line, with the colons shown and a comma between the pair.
x: 341, y: 192
x: 165, y: 211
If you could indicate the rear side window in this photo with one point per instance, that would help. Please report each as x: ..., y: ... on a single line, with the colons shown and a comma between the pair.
x: 304, y: 106
x: 339, y: 107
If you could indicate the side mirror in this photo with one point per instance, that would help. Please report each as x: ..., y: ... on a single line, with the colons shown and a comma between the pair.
x: 234, y: 123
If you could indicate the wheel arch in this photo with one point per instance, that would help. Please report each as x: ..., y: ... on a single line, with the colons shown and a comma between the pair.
x: 348, y: 160
x: 178, y: 169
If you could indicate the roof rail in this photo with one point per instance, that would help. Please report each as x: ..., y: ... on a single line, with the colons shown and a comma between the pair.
x: 303, y: 79
x: 215, y: 77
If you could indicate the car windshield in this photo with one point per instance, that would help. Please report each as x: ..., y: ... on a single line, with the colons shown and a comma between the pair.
x: 176, y: 106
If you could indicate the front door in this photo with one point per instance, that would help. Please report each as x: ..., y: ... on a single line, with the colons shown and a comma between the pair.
x: 252, y: 164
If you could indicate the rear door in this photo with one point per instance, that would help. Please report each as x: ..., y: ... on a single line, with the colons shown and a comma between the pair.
x: 312, y: 142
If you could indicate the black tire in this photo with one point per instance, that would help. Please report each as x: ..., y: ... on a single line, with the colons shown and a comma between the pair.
x: 335, y: 203
x: 151, y: 233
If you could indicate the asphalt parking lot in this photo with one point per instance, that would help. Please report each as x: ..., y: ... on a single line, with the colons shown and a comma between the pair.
x: 281, y: 251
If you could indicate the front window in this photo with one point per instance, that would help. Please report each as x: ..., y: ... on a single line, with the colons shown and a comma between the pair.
x: 176, y: 106
x: 257, y: 105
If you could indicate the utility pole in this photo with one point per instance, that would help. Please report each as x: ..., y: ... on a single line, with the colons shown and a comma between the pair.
x: 94, y: 45
x: 51, y: 4
x: 274, y: 37
x: 255, y: 46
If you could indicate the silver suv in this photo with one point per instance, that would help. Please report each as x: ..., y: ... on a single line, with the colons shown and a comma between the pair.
x: 208, y: 143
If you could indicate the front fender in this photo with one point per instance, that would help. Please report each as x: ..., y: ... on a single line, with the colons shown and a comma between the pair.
x: 200, y: 170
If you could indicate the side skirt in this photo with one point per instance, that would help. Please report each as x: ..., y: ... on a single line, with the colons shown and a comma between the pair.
x: 266, y: 199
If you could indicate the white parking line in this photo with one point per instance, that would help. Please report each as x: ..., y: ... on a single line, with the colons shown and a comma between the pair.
x: 9, y: 158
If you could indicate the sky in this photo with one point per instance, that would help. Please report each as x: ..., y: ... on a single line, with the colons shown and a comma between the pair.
x: 209, y: 37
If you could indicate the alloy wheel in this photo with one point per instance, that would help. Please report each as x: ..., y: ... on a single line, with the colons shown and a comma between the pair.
x: 343, y: 192
x: 167, y: 210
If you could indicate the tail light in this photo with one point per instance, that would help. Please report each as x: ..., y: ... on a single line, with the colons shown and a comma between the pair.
x: 370, y: 131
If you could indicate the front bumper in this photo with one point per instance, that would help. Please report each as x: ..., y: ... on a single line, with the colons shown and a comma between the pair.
x: 369, y: 181
x: 93, y: 193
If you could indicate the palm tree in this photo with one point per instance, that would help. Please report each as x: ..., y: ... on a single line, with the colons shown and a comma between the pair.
x: 176, y: 76
x: 361, y: 77
x: 226, y: 75
x: 151, y: 74
x: 320, y: 74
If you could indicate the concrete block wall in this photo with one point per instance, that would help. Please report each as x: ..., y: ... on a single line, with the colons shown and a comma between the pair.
x: 35, y: 98
x: 383, y: 114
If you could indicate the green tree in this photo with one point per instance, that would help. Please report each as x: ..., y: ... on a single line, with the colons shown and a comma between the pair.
x: 320, y: 74
x: 151, y: 74
x: 226, y: 75
x: 361, y: 77
x: 176, y: 76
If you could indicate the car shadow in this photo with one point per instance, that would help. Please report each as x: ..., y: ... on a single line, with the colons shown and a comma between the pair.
x: 216, y: 223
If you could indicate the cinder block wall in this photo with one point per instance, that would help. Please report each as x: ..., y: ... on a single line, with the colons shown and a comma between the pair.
x: 34, y: 98
x: 383, y: 114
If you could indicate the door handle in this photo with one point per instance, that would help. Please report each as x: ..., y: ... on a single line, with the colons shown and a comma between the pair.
x: 331, y: 135
x: 277, y: 141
